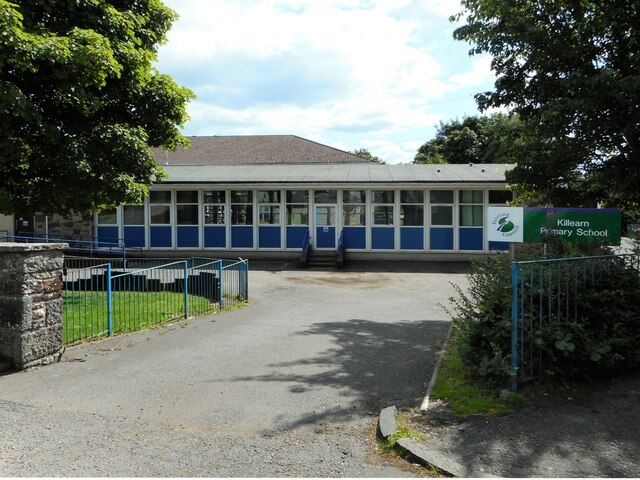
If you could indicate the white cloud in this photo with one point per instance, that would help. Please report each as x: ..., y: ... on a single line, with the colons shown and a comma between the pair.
x: 329, y: 68
x: 479, y: 74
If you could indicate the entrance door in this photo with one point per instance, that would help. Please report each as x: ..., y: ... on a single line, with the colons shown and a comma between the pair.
x: 325, y: 237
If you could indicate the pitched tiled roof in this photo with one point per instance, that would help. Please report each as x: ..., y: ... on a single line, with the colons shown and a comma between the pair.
x: 254, y: 150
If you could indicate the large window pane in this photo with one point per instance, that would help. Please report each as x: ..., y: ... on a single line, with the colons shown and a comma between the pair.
x: 187, y: 197
x: 242, y: 214
x: 441, y: 196
x: 269, y: 196
x: 133, y: 214
x: 160, y: 214
x: 108, y: 217
x: 354, y: 196
x: 269, y: 214
x: 325, y: 196
x: 241, y: 196
x: 382, y: 196
x: 214, y: 196
x: 297, y: 196
x: 471, y: 215
x: 383, y: 215
x: 325, y: 216
x: 354, y: 215
x: 412, y: 196
x: 442, y: 215
x: 470, y: 196
x: 162, y: 196
x: 214, y: 214
x: 187, y: 214
x: 412, y: 215
x: 500, y: 196
x: 297, y: 215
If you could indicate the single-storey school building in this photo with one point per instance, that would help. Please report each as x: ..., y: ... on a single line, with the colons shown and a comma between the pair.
x: 259, y: 196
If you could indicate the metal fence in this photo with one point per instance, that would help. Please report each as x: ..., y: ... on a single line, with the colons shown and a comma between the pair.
x: 117, y: 296
x: 546, y: 293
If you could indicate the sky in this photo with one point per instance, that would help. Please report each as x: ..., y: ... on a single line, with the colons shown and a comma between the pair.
x: 374, y: 74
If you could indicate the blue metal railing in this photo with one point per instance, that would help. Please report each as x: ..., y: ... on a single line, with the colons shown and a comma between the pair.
x: 105, y: 299
x: 306, y: 249
x: 91, y: 246
x: 341, y: 250
x: 546, y: 292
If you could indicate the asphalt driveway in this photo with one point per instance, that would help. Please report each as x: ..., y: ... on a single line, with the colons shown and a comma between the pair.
x: 288, y: 386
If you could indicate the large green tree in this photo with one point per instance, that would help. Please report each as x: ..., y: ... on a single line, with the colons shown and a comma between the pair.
x: 475, y: 139
x: 571, y: 70
x: 81, y: 103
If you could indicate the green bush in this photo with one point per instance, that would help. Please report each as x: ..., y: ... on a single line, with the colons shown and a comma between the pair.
x: 599, y: 336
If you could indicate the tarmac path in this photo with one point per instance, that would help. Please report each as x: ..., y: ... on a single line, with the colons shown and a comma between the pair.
x: 288, y: 386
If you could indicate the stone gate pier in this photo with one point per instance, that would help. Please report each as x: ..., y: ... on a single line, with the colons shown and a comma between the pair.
x: 30, y: 303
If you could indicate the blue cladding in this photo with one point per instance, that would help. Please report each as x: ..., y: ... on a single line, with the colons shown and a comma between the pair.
x: 108, y: 234
x: 471, y: 238
x: 242, y: 237
x: 498, y: 245
x: 326, y: 239
x: 215, y: 237
x: 411, y: 238
x: 188, y: 236
x: 269, y: 237
x: 441, y: 238
x: 133, y: 237
x: 382, y: 238
x: 160, y: 237
x: 355, y: 237
x: 295, y: 236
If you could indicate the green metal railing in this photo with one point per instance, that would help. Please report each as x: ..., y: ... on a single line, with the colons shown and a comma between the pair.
x: 546, y: 293
x: 109, y: 298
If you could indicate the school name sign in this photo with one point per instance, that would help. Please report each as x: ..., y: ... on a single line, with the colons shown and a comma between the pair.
x: 535, y: 225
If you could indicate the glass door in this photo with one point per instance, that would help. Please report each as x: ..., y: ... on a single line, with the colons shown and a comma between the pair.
x: 325, y: 217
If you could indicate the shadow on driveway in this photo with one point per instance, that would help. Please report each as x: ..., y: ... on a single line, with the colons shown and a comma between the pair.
x: 371, y: 365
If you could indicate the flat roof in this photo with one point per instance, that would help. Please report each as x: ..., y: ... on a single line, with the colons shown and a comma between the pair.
x: 336, y: 173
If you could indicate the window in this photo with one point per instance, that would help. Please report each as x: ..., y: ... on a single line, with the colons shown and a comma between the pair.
x: 354, y: 208
x: 383, y: 207
x: 500, y: 197
x: 214, y: 205
x: 325, y: 196
x: 441, y: 207
x: 412, y: 208
x: 187, y: 207
x: 471, y: 209
x: 269, y: 207
x: 297, y: 207
x: 160, y: 207
x: 108, y: 217
x: 241, y: 207
x: 133, y: 214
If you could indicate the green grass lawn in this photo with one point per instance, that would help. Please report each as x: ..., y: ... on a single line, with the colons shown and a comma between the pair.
x: 85, y: 312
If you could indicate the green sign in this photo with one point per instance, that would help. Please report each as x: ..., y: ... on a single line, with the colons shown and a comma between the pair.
x: 601, y: 226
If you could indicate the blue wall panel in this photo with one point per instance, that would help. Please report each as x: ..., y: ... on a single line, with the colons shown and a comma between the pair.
x: 382, y: 238
x: 355, y: 237
x: 411, y: 238
x: 471, y: 238
x: 188, y: 237
x: 269, y: 237
x: 108, y: 234
x: 242, y: 237
x: 295, y: 235
x: 215, y: 237
x: 160, y: 237
x: 498, y: 245
x: 133, y: 237
x: 441, y: 238
x: 326, y: 239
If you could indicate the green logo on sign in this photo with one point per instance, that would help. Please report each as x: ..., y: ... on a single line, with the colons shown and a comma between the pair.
x: 506, y: 225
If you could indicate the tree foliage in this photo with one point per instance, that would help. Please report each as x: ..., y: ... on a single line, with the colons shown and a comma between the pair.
x: 571, y: 70
x: 81, y: 103
x: 363, y: 152
x: 475, y: 139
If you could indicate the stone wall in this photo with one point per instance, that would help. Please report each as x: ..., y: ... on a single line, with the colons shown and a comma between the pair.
x: 72, y: 227
x: 30, y: 303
